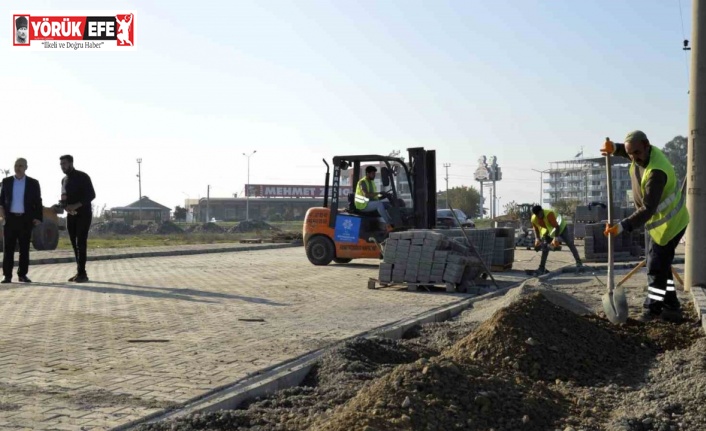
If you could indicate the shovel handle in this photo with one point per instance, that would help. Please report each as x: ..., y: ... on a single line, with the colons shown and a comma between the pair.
x: 631, y: 273
x: 609, y: 183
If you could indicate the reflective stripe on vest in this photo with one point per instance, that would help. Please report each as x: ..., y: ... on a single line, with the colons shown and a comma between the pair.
x: 671, y: 216
x: 361, y: 202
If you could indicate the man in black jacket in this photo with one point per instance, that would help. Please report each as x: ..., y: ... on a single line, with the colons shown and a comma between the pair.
x: 21, y: 209
x: 79, y: 192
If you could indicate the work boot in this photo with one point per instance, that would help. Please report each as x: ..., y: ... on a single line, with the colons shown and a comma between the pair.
x: 540, y: 271
x: 73, y: 278
x: 579, y: 266
x: 672, y: 313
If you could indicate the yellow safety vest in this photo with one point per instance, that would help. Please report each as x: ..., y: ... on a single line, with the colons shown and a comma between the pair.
x: 546, y: 230
x: 671, y: 216
x: 360, y: 200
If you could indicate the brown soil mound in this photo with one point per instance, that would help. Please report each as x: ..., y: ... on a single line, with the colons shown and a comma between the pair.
x: 443, y: 395
x: 164, y: 228
x: 205, y: 228
x: 252, y: 226
x: 442, y: 376
x: 548, y: 342
x: 110, y: 226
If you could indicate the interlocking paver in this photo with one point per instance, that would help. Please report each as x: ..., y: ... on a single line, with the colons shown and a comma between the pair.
x: 149, y: 332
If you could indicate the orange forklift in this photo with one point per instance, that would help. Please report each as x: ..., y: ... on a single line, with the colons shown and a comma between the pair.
x: 339, y: 232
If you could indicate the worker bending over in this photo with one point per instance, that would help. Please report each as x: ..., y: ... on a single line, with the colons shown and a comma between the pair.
x: 548, y: 226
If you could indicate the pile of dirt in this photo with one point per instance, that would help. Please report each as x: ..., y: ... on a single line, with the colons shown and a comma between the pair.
x: 110, y: 226
x: 531, y: 365
x: 336, y: 378
x: 251, y: 226
x: 446, y: 395
x: 549, y: 342
x: 205, y: 228
x: 164, y: 228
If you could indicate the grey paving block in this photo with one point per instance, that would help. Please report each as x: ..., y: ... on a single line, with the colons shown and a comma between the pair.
x: 419, y: 234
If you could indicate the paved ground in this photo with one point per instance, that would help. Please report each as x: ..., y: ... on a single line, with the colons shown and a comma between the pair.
x: 150, y: 332
x: 43, y: 256
x: 146, y: 333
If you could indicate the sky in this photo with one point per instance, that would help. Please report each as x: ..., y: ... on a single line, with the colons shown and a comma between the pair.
x: 528, y: 81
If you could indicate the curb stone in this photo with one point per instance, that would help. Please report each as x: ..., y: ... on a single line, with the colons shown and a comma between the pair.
x: 292, y: 372
x: 698, y: 294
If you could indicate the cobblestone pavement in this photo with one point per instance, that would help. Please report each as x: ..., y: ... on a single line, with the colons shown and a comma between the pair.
x: 94, y: 252
x: 149, y: 332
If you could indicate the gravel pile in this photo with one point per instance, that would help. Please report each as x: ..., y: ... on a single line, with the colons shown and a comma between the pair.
x: 531, y: 365
x: 251, y: 226
x: 164, y: 228
x: 115, y: 227
x: 205, y: 228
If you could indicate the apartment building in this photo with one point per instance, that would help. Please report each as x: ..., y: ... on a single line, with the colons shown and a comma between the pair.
x: 584, y: 180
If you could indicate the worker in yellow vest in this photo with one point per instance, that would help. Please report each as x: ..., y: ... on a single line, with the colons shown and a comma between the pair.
x: 549, y: 226
x: 661, y: 208
x: 367, y: 198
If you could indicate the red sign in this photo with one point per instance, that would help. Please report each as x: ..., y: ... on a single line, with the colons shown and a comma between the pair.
x: 291, y: 191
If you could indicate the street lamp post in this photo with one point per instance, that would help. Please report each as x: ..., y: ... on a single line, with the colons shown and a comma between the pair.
x: 541, y: 179
x: 139, y: 182
x: 247, y: 189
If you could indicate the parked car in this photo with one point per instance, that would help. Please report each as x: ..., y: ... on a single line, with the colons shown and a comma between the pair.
x: 444, y: 218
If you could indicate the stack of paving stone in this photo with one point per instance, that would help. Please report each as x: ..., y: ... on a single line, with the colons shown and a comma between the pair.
x: 422, y: 256
x: 504, y: 249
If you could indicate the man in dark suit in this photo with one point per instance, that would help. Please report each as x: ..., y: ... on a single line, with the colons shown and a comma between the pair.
x: 21, y: 209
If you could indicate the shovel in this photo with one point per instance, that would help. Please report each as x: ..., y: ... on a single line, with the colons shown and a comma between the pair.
x: 615, y: 304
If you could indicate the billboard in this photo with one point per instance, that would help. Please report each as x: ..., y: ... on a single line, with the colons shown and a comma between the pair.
x: 290, y: 191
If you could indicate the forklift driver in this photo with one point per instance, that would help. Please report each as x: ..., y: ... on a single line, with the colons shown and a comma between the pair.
x: 367, y: 198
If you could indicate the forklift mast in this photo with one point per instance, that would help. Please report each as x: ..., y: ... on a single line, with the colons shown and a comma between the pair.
x: 423, y: 170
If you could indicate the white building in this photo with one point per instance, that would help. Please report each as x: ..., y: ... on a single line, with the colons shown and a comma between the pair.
x: 585, y: 180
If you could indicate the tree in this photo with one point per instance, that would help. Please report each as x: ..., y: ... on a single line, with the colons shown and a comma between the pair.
x: 676, y: 152
x: 566, y: 208
x: 463, y: 198
x: 512, y: 209
x: 179, y: 213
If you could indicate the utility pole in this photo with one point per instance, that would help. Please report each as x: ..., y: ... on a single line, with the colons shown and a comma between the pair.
x: 541, y: 181
x: 208, y: 203
x: 247, y: 189
x: 139, y: 182
x: 481, y: 203
x: 695, y: 270
x: 447, y: 165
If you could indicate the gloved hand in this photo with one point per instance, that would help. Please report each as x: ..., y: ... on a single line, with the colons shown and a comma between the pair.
x: 537, y: 243
x: 614, y: 230
x: 555, y: 243
x: 608, y: 147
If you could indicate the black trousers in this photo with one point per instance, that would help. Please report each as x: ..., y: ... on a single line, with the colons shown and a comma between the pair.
x: 660, y: 283
x: 18, y: 228
x: 78, y: 226
x: 568, y: 238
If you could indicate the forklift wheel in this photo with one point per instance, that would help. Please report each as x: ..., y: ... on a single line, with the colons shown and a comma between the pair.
x: 320, y: 250
x: 341, y: 260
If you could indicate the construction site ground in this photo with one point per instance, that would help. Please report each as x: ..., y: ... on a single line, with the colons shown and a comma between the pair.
x: 150, y: 333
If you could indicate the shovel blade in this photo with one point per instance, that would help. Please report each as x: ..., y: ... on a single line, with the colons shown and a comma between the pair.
x: 615, y: 306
